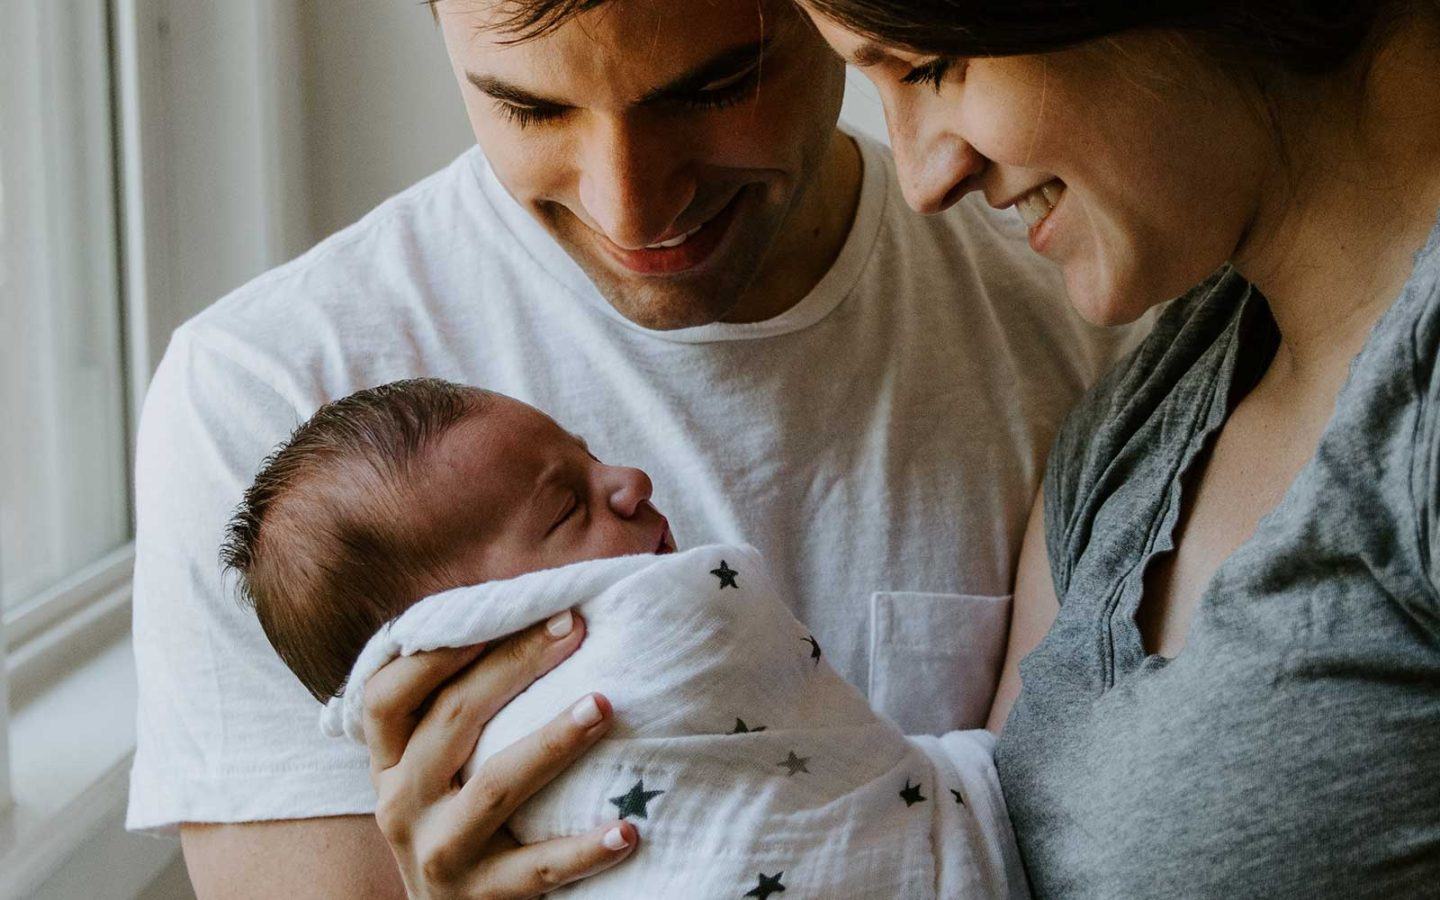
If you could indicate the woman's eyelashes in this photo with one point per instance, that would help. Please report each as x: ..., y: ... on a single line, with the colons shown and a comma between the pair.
x: 932, y: 73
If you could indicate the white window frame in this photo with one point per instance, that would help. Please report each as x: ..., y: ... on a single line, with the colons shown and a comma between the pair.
x: 204, y: 93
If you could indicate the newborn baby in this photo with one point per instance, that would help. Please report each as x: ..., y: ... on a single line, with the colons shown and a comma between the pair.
x: 750, y: 765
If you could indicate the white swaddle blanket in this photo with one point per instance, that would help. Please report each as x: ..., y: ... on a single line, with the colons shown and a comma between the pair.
x: 748, y: 764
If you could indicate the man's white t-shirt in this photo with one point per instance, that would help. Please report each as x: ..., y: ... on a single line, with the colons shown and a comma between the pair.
x: 880, y: 442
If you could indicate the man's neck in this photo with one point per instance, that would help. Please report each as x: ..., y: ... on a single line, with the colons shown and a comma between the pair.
x: 812, y: 237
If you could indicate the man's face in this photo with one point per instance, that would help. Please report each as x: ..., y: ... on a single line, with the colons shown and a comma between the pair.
x: 666, y: 146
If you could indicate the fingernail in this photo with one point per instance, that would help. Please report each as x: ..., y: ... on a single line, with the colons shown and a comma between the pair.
x: 614, y: 839
x: 560, y: 624
x: 586, y: 712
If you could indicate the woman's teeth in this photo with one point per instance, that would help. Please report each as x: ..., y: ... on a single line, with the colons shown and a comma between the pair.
x: 675, y: 241
x: 1037, y: 204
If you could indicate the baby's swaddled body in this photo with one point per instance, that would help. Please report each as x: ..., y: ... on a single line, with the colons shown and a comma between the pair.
x: 748, y: 763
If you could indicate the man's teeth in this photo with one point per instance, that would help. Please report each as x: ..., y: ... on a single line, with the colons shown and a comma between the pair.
x: 675, y: 241
x: 1036, y: 205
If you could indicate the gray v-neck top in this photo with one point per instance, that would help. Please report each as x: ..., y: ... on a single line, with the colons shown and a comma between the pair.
x: 1292, y: 749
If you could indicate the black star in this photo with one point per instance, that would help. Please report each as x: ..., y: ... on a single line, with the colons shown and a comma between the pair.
x: 958, y: 799
x: 632, y: 803
x: 726, y: 576
x: 814, y: 648
x: 769, y: 884
x: 742, y: 728
x: 911, y: 795
x: 794, y: 763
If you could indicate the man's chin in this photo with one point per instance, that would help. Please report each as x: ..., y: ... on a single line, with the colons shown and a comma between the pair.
x: 666, y: 310
x: 669, y: 303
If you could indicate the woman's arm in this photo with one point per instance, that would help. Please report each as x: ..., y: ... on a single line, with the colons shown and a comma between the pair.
x: 1033, y: 610
x: 423, y: 715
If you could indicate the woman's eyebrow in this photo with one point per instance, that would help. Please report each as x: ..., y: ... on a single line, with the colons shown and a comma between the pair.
x: 868, y: 54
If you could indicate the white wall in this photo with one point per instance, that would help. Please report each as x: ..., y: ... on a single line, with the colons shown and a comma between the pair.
x: 382, y: 109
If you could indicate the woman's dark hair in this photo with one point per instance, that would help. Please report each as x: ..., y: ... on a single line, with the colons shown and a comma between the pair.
x: 1299, y: 36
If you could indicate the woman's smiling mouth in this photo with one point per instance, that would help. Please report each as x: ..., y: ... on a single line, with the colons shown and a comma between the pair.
x: 1035, y: 208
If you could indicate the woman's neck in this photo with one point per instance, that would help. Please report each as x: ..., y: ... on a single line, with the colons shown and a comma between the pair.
x: 1355, y: 193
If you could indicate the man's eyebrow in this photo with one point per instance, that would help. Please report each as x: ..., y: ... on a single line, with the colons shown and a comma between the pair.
x: 509, y: 93
x: 721, y: 65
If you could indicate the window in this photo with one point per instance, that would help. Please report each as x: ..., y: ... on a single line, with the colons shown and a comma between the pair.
x: 64, y: 435
x: 64, y: 503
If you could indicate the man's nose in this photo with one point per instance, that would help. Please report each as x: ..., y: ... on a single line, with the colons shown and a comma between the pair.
x: 633, y: 186
x: 934, y: 163
x: 628, y: 489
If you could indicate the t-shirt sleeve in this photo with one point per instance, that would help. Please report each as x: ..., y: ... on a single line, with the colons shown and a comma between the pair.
x: 225, y: 733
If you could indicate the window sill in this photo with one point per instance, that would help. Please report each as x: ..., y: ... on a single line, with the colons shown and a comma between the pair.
x: 71, y: 742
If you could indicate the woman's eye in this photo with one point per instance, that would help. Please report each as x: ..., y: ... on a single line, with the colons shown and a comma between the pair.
x: 931, y: 73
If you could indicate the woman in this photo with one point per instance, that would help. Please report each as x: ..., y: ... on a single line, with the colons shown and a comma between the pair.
x: 1223, y: 707
x: 1240, y: 695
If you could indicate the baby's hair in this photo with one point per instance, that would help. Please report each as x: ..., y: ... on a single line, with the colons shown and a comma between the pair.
x: 319, y: 542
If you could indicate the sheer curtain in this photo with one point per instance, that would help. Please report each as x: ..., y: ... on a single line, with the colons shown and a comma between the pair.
x: 64, y: 499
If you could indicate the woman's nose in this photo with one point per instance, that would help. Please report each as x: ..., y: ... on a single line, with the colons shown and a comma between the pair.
x: 628, y: 490
x: 935, y: 165
x: 631, y: 188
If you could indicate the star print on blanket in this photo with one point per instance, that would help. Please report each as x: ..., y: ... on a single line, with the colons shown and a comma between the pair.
x: 800, y: 795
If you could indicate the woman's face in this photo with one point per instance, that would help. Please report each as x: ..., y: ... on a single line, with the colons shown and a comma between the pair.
x: 1137, y: 166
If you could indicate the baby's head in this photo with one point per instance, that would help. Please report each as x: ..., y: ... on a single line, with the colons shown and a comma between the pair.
x: 405, y: 490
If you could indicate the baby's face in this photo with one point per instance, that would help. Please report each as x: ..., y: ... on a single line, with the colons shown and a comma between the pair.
x: 509, y: 491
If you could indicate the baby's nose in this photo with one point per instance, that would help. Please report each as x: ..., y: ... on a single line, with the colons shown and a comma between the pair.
x: 630, y: 488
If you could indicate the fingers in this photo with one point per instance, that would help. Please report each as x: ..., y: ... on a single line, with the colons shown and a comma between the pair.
x: 395, y: 695
x: 446, y: 735
x: 511, y: 776
x: 540, y: 868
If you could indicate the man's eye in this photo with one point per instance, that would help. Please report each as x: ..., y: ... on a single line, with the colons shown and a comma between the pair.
x: 525, y: 116
x: 727, y: 91
x: 931, y: 73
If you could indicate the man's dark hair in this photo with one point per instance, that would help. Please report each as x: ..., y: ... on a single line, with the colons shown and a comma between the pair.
x: 319, y: 540
x: 530, y: 19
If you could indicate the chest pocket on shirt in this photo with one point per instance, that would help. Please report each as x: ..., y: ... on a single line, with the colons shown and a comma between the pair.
x: 935, y: 658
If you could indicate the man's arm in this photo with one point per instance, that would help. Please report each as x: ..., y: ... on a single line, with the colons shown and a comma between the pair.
x: 1034, y: 609
x: 342, y: 856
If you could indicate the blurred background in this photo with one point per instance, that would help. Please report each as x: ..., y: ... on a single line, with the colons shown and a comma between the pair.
x: 154, y: 155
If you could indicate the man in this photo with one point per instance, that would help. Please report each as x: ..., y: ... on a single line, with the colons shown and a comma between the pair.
x: 664, y: 242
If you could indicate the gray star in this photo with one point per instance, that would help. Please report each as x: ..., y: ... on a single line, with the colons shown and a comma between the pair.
x: 769, y: 884
x: 794, y: 764
x: 633, y: 802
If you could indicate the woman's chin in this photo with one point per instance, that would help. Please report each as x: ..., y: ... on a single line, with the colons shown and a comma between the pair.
x: 1103, y: 299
